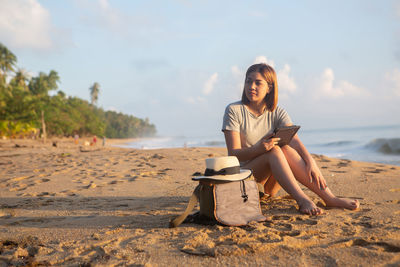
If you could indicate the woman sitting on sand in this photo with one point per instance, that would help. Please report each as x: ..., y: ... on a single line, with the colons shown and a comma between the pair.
x: 248, y: 126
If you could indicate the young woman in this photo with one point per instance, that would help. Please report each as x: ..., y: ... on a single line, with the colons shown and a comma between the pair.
x: 248, y: 126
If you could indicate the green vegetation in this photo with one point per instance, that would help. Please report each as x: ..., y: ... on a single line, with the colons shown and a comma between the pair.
x: 28, y: 110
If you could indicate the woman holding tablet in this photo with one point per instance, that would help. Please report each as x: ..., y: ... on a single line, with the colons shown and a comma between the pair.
x: 249, y: 127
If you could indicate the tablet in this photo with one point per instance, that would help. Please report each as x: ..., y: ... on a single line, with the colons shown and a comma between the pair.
x: 285, y: 134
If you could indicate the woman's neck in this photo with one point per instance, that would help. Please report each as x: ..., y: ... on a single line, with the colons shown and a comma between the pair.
x: 257, y: 108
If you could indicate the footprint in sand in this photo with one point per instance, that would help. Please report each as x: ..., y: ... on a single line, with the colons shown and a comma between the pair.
x: 394, y: 201
x: 148, y: 174
x: 301, y: 220
x: 373, y: 170
x: 151, y: 165
x: 44, y: 194
x: 19, y: 187
x: 336, y: 171
x: 43, y: 180
x: 281, y: 217
x: 292, y: 233
x: 18, y: 179
x: 348, y: 229
x: 364, y: 224
x: 132, y: 179
x: 157, y: 156
x: 6, y: 213
x: 90, y: 185
x: 283, y: 227
x: 373, y: 245
x: 70, y: 193
x: 344, y: 163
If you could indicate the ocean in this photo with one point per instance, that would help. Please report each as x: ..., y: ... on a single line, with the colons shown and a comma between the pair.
x: 379, y: 144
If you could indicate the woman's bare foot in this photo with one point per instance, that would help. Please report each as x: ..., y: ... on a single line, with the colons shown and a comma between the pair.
x: 347, y: 203
x: 308, y: 207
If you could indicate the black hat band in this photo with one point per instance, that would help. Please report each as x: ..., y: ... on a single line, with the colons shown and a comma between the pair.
x: 225, y: 171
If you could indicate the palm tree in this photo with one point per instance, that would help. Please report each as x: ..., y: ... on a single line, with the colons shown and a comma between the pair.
x: 7, y: 62
x: 7, y: 59
x: 42, y: 84
x: 21, y: 78
x: 94, y: 93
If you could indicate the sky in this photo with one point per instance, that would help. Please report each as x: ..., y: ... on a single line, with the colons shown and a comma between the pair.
x: 179, y: 63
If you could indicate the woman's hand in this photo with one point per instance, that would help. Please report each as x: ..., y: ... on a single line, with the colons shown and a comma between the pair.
x: 315, y: 175
x: 267, y: 143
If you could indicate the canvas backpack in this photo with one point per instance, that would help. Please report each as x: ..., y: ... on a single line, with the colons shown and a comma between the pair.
x: 223, y: 200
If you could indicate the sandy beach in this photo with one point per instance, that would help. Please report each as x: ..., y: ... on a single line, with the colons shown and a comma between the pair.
x: 106, y: 206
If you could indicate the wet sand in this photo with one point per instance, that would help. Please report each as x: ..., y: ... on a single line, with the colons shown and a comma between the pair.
x: 93, y: 205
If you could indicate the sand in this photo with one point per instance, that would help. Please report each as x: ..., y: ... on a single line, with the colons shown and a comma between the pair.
x: 103, y: 206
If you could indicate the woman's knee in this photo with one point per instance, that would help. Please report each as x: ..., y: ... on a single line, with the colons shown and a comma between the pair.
x: 276, y: 151
x: 286, y: 149
x: 291, y: 154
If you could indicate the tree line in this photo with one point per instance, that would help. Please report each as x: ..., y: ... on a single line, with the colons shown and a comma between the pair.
x: 33, y: 107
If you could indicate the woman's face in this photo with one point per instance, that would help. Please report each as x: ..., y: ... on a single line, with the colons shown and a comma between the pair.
x: 255, y: 87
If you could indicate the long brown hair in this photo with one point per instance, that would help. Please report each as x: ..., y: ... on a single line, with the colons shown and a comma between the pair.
x: 269, y: 75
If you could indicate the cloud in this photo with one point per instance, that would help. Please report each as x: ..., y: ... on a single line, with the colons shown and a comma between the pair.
x: 123, y: 23
x: 144, y: 64
x: 397, y: 55
x: 209, y: 84
x: 396, y: 51
x: 194, y: 100
x: 100, y: 13
x: 237, y: 79
x: 328, y: 87
x: 236, y: 71
x: 258, y: 14
x: 112, y: 108
x: 393, y: 80
x: 25, y: 23
x: 111, y: 15
x: 397, y: 8
x: 285, y: 82
x: 263, y: 59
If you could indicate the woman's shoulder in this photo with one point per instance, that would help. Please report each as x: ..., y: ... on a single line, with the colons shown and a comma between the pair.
x: 279, y: 109
x: 235, y: 105
x: 282, y: 115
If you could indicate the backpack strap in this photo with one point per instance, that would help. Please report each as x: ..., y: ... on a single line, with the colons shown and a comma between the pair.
x: 194, y: 199
x: 261, y: 189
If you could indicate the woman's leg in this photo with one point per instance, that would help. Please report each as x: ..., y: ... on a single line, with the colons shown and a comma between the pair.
x: 298, y: 168
x: 262, y: 174
x: 274, y: 162
x: 271, y: 186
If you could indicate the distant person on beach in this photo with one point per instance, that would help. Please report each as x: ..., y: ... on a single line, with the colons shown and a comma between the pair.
x: 248, y: 127
x: 76, y: 139
x: 94, y: 140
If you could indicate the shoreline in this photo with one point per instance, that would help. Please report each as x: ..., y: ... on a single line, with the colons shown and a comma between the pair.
x: 111, y: 206
x: 379, y: 159
x: 68, y: 142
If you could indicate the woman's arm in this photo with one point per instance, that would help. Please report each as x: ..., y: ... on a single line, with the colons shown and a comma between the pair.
x: 313, y: 171
x: 234, y: 146
x: 301, y: 149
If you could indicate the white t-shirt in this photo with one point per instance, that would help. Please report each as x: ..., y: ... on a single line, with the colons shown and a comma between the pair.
x: 252, y: 128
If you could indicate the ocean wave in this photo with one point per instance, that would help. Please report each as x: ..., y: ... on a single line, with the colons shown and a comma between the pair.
x: 338, y: 143
x: 214, y: 143
x: 385, y: 145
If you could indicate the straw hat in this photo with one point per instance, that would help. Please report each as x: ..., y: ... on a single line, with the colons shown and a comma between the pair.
x: 224, y: 169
